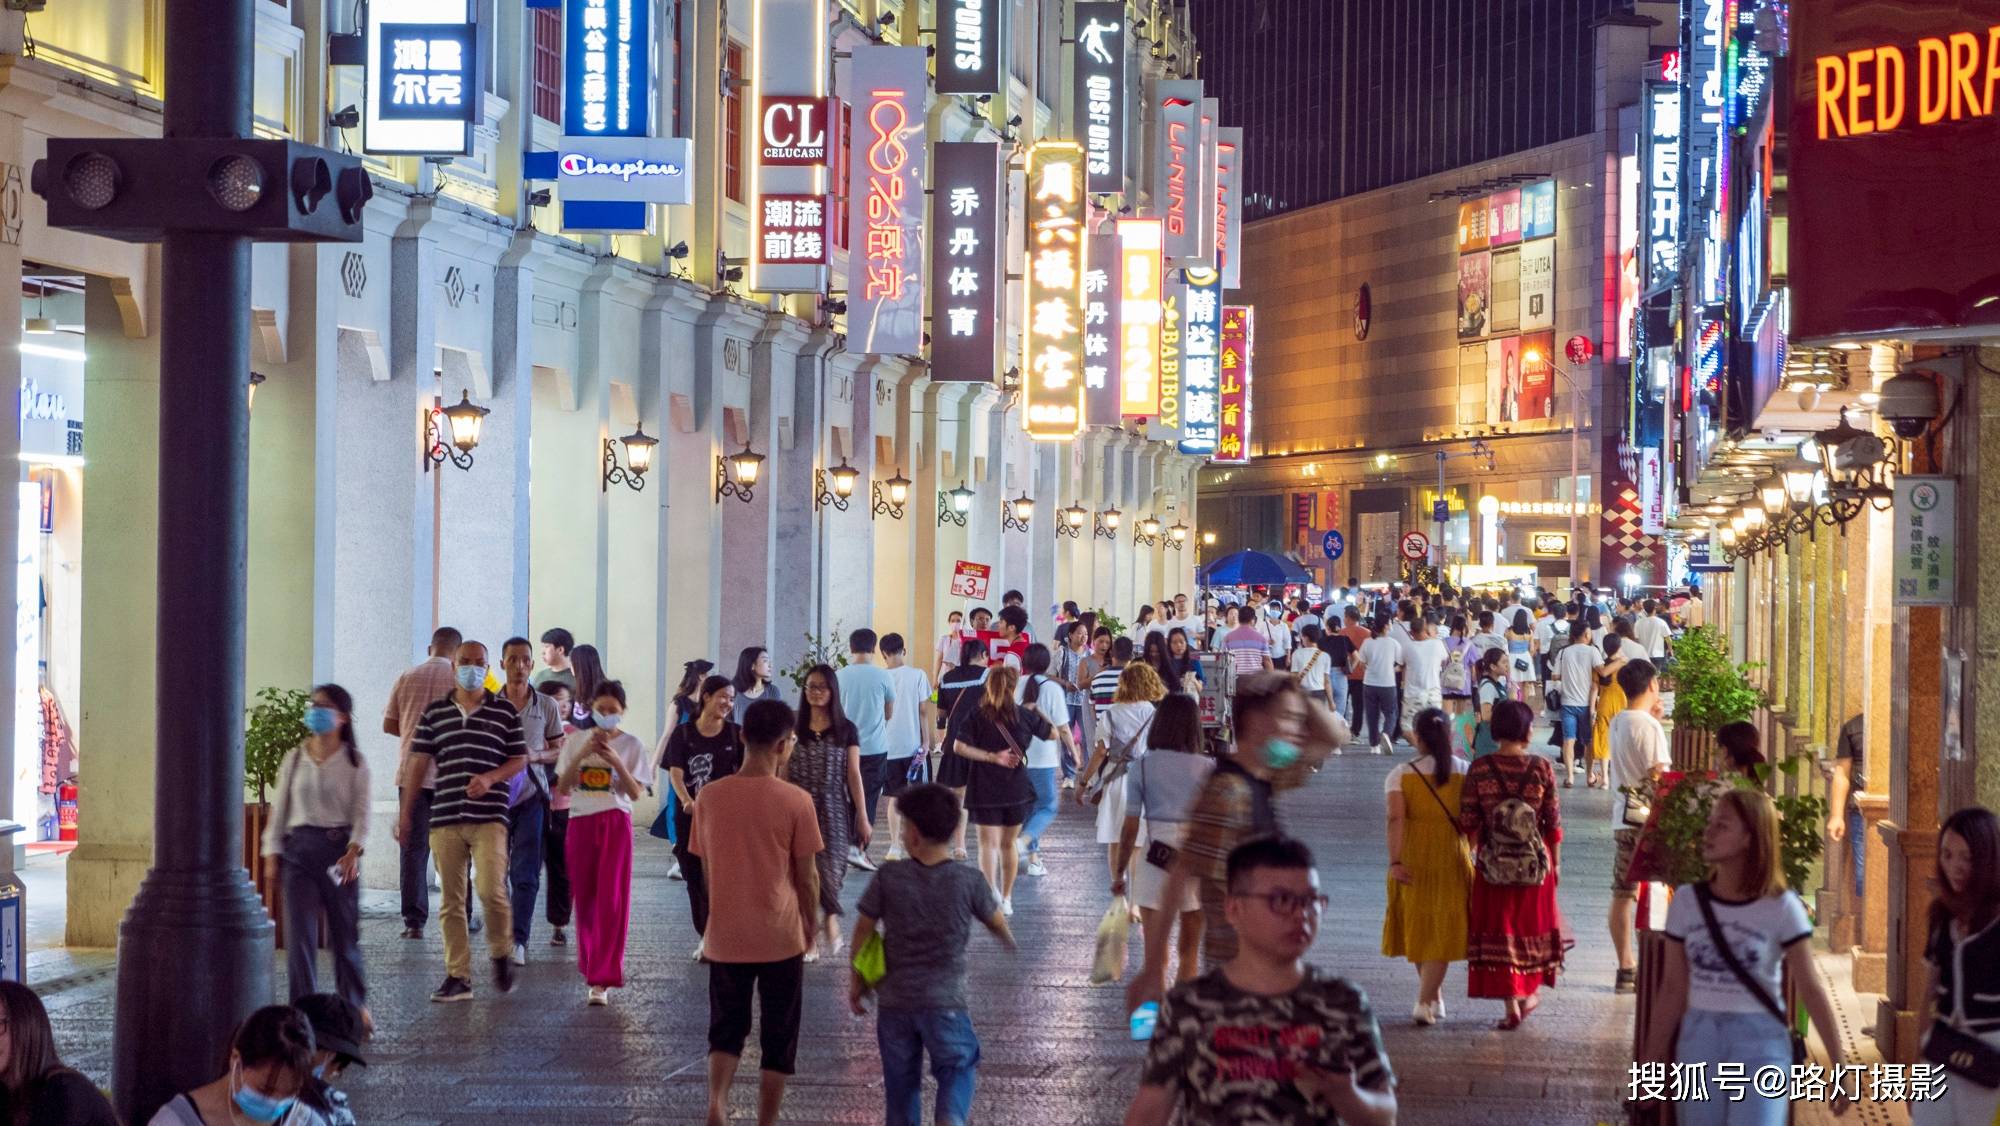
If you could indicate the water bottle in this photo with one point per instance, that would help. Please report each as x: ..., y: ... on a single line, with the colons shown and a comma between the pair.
x: 1144, y: 1018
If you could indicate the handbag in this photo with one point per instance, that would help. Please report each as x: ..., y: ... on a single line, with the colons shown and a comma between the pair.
x: 1464, y: 846
x: 1113, y: 766
x: 1755, y: 987
x: 1965, y: 1056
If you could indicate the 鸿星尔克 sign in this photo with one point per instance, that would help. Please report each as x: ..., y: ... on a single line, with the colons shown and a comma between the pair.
x: 420, y: 83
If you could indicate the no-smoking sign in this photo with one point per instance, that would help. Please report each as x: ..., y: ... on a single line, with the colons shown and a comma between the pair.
x: 1416, y: 546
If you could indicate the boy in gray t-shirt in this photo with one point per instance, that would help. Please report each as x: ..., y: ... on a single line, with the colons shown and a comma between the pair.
x: 925, y: 906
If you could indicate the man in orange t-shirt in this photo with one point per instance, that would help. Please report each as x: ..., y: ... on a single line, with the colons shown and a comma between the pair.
x: 757, y: 836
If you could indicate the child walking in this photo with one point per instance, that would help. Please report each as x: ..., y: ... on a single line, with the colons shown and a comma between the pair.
x: 601, y: 770
x: 925, y: 907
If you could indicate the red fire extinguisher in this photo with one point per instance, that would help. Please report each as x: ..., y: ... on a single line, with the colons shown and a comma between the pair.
x: 66, y: 811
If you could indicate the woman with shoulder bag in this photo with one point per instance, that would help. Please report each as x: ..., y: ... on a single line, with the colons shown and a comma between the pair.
x: 1964, y: 955
x: 1514, y: 940
x: 1159, y: 794
x: 1733, y: 936
x: 1489, y: 688
x: 1429, y: 877
x: 1121, y: 739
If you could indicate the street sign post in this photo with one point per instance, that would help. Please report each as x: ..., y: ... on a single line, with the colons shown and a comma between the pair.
x: 1333, y: 544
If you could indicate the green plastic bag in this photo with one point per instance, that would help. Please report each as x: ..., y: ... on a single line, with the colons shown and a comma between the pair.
x: 871, y: 961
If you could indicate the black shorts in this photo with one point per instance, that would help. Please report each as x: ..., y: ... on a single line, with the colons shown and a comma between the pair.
x: 780, y: 988
x: 1004, y: 816
x: 896, y: 774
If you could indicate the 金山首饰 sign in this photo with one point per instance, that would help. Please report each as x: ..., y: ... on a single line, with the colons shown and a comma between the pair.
x: 1139, y: 283
x: 1201, y: 340
x: 420, y: 83
x: 968, y: 45
x: 1101, y: 291
x: 1052, y: 348
x: 1099, y: 91
x: 788, y: 208
x: 1239, y: 343
x: 967, y: 207
x: 885, y: 246
x: 1177, y: 173
x: 608, y: 82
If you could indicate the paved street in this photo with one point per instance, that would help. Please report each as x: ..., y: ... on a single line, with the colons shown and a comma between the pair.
x: 1054, y: 1048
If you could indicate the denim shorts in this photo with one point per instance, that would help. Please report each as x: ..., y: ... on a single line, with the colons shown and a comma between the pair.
x: 1576, y: 717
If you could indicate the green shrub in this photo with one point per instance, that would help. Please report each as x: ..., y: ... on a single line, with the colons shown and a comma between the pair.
x: 276, y: 725
x: 1709, y: 691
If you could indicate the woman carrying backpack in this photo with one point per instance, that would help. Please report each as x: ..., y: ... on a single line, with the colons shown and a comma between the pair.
x: 1733, y: 937
x: 1514, y: 942
x: 1489, y: 689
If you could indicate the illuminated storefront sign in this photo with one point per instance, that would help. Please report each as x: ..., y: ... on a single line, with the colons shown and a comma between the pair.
x: 1173, y: 299
x: 608, y: 84
x: 1101, y: 289
x: 795, y: 132
x: 1472, y: 219
x: 1211, y: 123
x: 1177, y: 175
x: 1140, y: 243
x: 1239, y: 344
x: 420, y: 81
x: 1538, y: 209
x: 1099, y: 92
x: 1706, y: 165
x: 1549, y: 544
x: 1052, y: 349
x: 1503, y: 218
x: 967, y: 208
x: 968, y: 44
x: 1660, y: 154
x: 1201, y: 343
x: 643, y: 169
x: 885, y: 290
x: 1537, y: 268
x: 788, y: 60
x: 1229, y: 207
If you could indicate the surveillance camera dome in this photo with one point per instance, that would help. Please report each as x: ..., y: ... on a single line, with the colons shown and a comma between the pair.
x: 1909, y: 404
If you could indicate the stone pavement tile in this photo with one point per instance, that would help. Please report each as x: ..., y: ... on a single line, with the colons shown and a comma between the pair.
x: 1055, y: 1050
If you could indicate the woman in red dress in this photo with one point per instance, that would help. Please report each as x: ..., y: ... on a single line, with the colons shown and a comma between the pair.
x: 1508, y: 807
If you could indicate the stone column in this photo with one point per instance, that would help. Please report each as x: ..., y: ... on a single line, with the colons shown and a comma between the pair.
x: 897, y: 397
x: 1102, y: 473
x: 845, y: 540
x: 692, y: 333
x: 1044, y: 588
x: 797, y: 559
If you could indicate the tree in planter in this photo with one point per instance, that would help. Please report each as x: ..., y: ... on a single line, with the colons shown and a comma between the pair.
x: 828, y: 649
x: 276, y: 724
x: 1108, y: 620
x: 1672, y: 844
x: 1710, y: 691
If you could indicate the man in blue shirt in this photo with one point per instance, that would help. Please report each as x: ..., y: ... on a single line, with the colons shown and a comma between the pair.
x: 868, y: 696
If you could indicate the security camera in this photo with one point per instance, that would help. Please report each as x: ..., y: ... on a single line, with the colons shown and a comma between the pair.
x: 1909, y: 404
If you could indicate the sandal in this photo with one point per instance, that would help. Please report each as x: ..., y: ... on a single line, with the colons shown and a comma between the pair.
x: 1508, y: 1023
x: 959, y: 854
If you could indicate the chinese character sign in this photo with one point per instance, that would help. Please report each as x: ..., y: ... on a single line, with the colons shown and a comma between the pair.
x: 968, y: 45
x: 788, y: 208
x: 1926, y: 548
x: 1177, y: 172
x: 1232, y: 442
x: 608, y: 79
x: 1201, y: 341
x: 1229, y: 207
x: 1099, y: 92
x: 1660, y: 194
x: 421, y: 88
x: 1139, y: 264
x: 885, y: 292
x: 1102, y: 285
x: 791, y: 230
x: 1052, y: 349
x: 967, y: 208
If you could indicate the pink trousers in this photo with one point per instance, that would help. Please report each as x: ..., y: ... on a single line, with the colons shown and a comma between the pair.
x: 599, y: 848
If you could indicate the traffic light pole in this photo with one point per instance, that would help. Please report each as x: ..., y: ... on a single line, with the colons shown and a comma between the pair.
x: 195, y: 950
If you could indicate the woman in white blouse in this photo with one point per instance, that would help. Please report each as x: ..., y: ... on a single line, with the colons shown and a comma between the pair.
x: 312, y: 844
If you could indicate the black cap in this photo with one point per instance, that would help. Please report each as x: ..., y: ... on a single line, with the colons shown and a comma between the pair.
x: 336, y: 1024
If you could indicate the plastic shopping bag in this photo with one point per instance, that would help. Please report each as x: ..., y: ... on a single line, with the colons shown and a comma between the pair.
x: 1109, y: 965
x: 871, y: 960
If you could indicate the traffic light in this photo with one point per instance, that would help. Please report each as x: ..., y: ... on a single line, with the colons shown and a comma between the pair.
x: 135, y: 190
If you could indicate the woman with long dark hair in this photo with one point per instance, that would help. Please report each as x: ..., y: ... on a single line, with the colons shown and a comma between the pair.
x: 1182, y: 663
x: 1153, y: 651
x: 603, y: 770
x: 312, y: 844
x: 1522, y: 652
x: 1429, y: 875
x: 752, y: 681
x: 1507, y: 805
x: 686, y: 705
x: 39, y: 1089
x: 588, y: 666
x: 826, y: 763
x: 270, y: 1064
x: 998, y: 794
x: 957, y: 698
x: 700, y: 751
x: 1489, y: 687
x: 1964, y: 956
x: 1160, y: 791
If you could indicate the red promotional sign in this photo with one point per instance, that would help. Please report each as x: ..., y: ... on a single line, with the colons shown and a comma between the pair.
x: 969, y: 580
x: 1232, y: 445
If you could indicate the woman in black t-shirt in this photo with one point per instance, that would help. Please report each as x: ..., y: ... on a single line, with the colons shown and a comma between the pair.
x: 998, y: 795
x: 704, y: 748
x: 958, y: 698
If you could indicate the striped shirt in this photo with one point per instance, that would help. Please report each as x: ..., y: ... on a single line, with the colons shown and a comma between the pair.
x: 1247, y: 649
x: 466, y: 744
x: 1104, y: 687
x: 416, y: 690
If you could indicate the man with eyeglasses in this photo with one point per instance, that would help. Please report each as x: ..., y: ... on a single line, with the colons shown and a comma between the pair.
x: 1267, y: 1038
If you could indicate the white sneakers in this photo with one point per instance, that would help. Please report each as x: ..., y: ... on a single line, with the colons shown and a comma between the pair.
x: 674, y: 872
x: 1007, y: 906
x: 598, y: 995
x: 700, y: 951
x: 1035, y: 867
x: 895, y: 853
x: 859, y: 859
x: 520, y: 957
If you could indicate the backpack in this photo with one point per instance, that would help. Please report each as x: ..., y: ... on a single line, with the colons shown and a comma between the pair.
x: 1454, y: 678
x: 1513, y: 854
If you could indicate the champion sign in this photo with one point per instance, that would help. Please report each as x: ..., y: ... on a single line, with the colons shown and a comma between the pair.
x: 637, y: 169
x: 577, y: 164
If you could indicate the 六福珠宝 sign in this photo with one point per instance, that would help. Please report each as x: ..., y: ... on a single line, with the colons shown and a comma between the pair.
x: 421, y: 87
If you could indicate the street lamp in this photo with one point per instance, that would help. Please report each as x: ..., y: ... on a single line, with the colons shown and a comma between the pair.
x: 953, y: 505
x: 1014, y: 514
x: 256, y: 377
x: 1534, y: 356
x: 844, y: 476
x: 1147, y: 531
x: 639, y: 447
x: 1107, y: 524
x: 736, y: 475
x: 1073, y: 517
x: 1179, y: 534
x: 455, y: 440
x: 890, y: 504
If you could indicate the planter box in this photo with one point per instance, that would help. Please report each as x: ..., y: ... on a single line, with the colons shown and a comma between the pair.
x: 1694, y: 750
x: 255, y: 816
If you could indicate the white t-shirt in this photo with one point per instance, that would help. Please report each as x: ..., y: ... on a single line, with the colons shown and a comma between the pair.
x: 1423, y: 664
x: 1758, y: 932
x: 1652, y: 632
x: 1573, y: 668
x: 1311, y: 663
x: 1545, y: 631
x: 912, y: 687
x: 1638, y: 744
x: 596, y: 785
x: 1382, y: 655
x: 1049, y: 701
x: 1122, y: 723
x: 1393, y: 784
x: 1277, y: 635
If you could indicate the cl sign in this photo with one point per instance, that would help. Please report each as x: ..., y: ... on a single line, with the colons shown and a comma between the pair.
x: 793, y: 131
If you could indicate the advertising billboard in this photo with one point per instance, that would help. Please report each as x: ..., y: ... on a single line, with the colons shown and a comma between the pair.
x: 1229, y: 207
x: 885, y: 190
x: 1538, y: 377
x: 968, y: 46
x: 968, y: 209
x: 788, y: 59
x: 1177, y: 173
x: 1052, y: 338
x: 1537, y: 269
x: 1503, y: 218
x: 1201, y: 342
x: 1101, y: 289
x: 608, y: 84
x: 1239, y: 343
x: 1098, y: 92
x: 1475, y: 296
x: 1505, y: 286
x: 1139, y: 315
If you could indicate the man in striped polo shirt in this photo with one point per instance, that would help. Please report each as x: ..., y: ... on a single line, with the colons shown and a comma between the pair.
x: 475, y: 739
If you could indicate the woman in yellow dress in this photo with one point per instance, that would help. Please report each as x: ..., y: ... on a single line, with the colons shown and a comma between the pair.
x: 1430, y: 875
x: 1619, y: 647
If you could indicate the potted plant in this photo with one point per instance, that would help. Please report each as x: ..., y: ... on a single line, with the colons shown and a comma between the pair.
x: 1709, y: 692
x: 1108, y: 620
x: 828, y: 649
x: 276, y: 724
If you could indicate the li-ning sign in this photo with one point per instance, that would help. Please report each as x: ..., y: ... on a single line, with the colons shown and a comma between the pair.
x: 794, y: 132
x: 885, y: 290
x: 1139, y: 264
x: 1229, y: 207
x: 421, y: 85
x: 1177, y: 176
x: 1661, y: 220
x: 1053, y: 336
x: 607, y: 87
x: 1099, y: 92
x: 967, y: 205
x: 968, y: 42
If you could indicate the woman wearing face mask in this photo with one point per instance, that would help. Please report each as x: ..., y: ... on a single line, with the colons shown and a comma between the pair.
x: 34, y: 1083
x: 948, y: 643
x: 312, y: 844
x: 602, y: 770
x: 270, y: 1062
